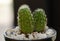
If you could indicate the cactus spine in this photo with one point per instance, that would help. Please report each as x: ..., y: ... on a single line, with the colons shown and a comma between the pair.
x: 25, y: 19
x: 39, y: 20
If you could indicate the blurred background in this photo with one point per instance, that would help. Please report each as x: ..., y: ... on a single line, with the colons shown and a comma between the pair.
x: 9, y: 8
x: 6, y: 16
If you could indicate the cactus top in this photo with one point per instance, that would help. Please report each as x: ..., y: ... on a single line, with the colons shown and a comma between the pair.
x: 40, y: 10
x: 23, y: 7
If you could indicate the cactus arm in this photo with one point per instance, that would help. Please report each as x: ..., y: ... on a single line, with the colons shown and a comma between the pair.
x: 39, y: 20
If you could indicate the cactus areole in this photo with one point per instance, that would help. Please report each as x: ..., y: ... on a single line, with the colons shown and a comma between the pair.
x: 25, y: 19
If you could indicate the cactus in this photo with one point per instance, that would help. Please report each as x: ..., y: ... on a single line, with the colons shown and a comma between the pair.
x: 39, y: 20
x: 25, y: 19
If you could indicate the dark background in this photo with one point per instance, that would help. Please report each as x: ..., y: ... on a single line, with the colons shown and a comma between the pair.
x: 52, y: 8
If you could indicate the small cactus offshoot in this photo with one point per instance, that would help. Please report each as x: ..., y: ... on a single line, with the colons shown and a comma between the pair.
x: 39, y: 20
x: 25, y: 19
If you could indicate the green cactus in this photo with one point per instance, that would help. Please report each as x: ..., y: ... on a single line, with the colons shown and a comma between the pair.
x: 39, y: 20
x: 25, y: 19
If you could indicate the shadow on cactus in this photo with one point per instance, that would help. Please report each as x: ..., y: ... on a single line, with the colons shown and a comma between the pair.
x: 29, y: 22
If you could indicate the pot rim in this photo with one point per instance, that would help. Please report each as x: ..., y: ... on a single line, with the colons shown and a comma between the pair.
x: 54, y: 34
